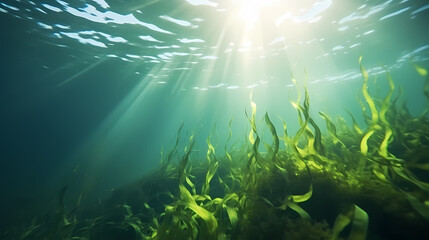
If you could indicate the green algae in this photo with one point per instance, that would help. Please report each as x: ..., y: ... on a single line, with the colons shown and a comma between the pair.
x: 312, y: 188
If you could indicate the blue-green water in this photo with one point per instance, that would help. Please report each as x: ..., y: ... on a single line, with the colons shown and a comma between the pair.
x: 91, y: 91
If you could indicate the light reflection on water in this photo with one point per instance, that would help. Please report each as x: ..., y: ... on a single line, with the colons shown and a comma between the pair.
x: 311, y: 34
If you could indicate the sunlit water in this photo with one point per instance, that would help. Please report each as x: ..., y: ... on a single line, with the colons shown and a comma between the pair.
x: 91, y: 90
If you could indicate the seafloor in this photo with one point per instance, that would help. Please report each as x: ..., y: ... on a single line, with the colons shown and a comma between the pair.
x: 348, y: 182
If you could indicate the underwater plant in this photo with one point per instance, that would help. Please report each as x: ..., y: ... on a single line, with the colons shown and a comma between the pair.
x: 349, y: 182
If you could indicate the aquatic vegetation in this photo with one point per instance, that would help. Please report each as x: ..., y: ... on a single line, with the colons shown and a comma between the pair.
x: 310, y: 185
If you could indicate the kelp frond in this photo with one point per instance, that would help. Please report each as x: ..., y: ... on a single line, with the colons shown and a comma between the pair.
x: 280, y: 191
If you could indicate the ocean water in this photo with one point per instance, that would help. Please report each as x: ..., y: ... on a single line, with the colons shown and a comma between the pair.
x: 94, y: 94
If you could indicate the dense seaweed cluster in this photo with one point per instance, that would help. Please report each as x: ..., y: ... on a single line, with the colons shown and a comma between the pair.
x: 348, y: 182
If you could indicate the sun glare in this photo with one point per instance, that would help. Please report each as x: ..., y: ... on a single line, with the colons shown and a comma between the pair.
x: 250, y: 12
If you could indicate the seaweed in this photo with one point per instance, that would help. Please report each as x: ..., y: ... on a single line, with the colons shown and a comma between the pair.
x: 348, y: 182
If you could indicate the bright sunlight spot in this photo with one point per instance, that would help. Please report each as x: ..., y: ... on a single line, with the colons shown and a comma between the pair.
x: 250, y: 12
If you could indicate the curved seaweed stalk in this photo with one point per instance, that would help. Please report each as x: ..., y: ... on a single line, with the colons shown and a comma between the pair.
x: 254, y: 190
x: 355, y: 216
